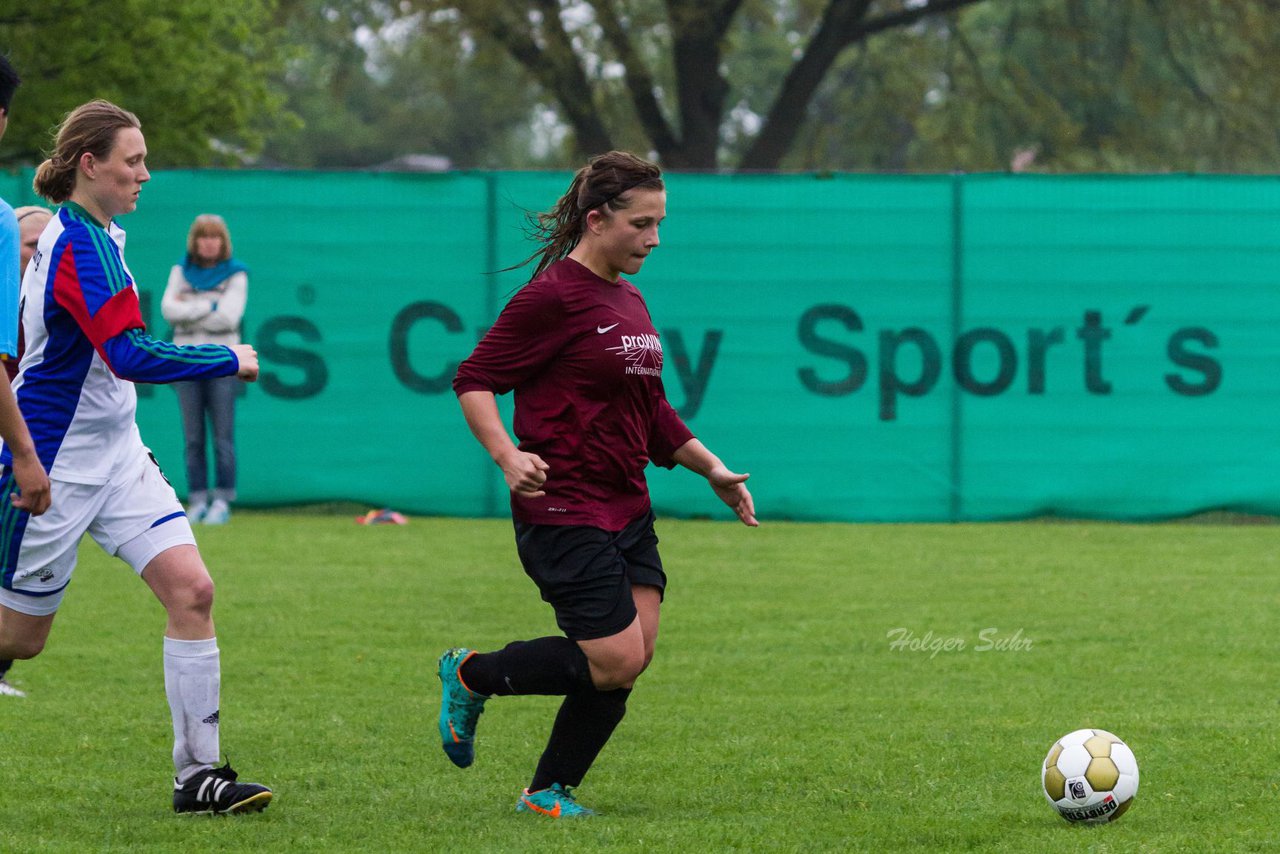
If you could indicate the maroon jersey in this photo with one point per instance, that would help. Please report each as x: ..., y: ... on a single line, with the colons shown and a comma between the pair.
x: 584, y: 359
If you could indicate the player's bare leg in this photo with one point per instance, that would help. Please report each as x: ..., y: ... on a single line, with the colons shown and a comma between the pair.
x: 21, y: 636
x: 192, y: 674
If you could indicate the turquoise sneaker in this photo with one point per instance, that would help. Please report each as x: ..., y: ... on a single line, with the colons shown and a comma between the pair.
x: 555, y: 801
x: 460, y: 708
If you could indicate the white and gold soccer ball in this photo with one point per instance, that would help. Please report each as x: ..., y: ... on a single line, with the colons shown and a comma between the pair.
x: 1090, y: 776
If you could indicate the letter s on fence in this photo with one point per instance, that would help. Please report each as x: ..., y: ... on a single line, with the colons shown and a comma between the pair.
x: 815, y: 343
x: 1178, y: 353
x: 315, y: 374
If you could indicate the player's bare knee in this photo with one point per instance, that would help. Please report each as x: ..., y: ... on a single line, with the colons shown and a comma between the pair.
x: 196, y: 598
x: 620, y: 672
x: 21, y: 648
x: 31, y: 649
x: 202, y: 595
x: 611, y: 681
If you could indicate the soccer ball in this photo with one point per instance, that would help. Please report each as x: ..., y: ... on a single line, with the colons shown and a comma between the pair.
x: 1090, y: 776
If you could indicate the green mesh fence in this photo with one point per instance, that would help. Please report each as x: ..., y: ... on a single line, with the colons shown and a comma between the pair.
x: 868, y: 347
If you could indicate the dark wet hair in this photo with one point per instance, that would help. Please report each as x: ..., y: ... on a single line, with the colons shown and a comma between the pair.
x: 604, y: 183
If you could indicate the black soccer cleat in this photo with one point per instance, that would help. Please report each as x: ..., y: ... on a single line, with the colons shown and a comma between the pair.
x: 216, y: 792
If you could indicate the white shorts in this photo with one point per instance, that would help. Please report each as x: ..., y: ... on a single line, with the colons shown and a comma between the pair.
x: 135, y: 516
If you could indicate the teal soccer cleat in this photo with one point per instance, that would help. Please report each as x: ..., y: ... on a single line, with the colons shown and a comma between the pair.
x: 555, y: 801
x: 460, y: 708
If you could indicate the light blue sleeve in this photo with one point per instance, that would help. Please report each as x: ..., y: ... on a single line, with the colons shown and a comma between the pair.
x: 9, y: 280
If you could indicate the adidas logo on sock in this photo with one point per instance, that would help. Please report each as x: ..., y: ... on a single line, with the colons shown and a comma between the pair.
x: 212, y: 720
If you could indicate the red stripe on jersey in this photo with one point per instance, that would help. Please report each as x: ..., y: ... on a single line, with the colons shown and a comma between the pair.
x: 118, y: 314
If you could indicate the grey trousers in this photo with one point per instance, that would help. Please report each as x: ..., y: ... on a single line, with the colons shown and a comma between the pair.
x: 216, y: 400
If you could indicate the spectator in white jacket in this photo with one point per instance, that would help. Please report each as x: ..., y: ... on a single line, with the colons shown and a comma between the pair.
x: 204, y: 302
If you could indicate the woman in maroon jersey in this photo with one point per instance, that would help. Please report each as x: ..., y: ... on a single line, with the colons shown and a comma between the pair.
x: 579, y: 349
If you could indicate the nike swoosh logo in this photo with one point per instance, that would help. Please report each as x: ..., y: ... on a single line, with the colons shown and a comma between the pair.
x: 553, y: 813
x: 603, y: 329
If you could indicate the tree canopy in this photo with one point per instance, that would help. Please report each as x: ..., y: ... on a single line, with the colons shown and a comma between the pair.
x: 1094, y: 85
x: 899, y: 84
x: 198, y: 75
x: 369, y: 85
x: 669, y: 62
x: 896, y: 85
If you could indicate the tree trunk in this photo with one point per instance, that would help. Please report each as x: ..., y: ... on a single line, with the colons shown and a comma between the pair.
x: 698, y: 29
x: 789, y: 108
x: 555, y: 67
x: 843, y: 25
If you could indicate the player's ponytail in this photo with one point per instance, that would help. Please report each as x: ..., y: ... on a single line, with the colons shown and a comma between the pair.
x: 89, y: 128
x: 54, y: 181
x: 604, y: 183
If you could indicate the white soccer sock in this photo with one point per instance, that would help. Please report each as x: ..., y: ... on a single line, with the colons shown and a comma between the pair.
x: 191, y: 678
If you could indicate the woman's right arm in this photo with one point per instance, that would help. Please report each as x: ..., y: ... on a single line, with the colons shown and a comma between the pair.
x: 525, y: 473
x: 111, y: 319
x: 524, y: 338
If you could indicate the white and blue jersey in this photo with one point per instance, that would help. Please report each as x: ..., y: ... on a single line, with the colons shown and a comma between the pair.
x: 86, y: 346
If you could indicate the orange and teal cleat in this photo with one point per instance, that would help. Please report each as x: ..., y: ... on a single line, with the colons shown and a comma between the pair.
x: 555, y: 801
x: 460, y: 708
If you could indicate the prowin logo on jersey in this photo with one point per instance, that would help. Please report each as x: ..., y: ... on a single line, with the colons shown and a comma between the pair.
x: 644, y: 352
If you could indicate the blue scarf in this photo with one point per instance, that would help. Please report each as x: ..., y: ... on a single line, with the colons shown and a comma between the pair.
x: 208, y: 278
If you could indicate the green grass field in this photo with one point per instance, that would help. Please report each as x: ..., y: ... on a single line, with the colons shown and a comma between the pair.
x: 777, y: 715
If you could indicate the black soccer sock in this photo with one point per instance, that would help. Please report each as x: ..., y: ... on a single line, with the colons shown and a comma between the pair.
x: 586, y: 720
x: 5, y: 664
x: 552, y: 665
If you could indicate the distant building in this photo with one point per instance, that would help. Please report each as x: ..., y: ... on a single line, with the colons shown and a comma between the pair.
x: 416, y: 163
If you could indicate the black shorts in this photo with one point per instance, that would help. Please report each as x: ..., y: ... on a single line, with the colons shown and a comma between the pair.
x: 586, y: 573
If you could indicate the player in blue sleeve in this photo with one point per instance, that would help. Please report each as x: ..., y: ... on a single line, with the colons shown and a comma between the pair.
x: 30, y: 483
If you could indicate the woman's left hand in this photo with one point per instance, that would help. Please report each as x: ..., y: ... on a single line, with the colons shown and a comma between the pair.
x: 732, y: 489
